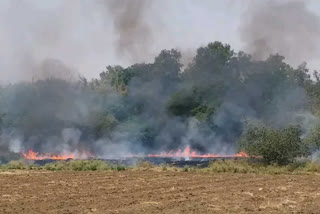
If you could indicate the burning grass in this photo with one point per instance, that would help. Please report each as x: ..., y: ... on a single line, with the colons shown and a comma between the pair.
x: 187, y: 152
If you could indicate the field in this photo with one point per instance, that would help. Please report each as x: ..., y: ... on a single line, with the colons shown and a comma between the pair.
x: 151, y: 191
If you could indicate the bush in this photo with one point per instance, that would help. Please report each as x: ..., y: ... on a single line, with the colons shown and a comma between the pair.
x: 164, y: 167
x: 313, y: 140
x: 16, y: 165
x: 276, y: 146
x: 120, y: 168
x: 231, y: 166
x: 247, y: 166
x: 79, y: 165
x: 19, y: 164
x: 312, y: 167
x: 145, y: 164
x: 186, y: 168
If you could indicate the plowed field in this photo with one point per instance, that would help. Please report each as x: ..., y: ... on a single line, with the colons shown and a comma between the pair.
x: 157, y: 192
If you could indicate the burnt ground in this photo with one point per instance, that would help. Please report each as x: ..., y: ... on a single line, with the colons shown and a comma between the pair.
x: 157, y: 192
x: 168, y: 161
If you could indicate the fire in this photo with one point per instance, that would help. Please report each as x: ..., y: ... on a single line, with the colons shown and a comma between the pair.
x: 187, y: 153
x: 32, y: 155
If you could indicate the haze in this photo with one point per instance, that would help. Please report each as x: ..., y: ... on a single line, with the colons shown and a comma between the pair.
x: 85, y: 36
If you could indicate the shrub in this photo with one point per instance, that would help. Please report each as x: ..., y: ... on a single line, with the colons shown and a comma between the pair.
x: 186, y: 169
x: 312, y: 167
x: 313, y: 140
x: 16, y: 165
x: 276, y: 146
x: 247, y: 166
x: 120, y: 168
x: 231, y: 166
x: 88, y: 165
x: 145, y: 164
x: 78, y: 165
x: 164, y: 167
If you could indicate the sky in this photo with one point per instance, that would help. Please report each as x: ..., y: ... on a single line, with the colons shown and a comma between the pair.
x: 80, y: 35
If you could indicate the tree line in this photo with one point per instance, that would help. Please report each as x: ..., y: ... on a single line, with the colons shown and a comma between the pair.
x: 220, y: 102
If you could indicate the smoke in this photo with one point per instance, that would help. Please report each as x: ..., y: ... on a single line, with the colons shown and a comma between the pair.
x: 52, y: 68
x: 285, y: 27
x: 15, y: 145
x: 187, y: 56
x: 134, y: 33
x: 81, y: 35
x: 85, y: 35
x: 57, y: 111
x: 34, y: 34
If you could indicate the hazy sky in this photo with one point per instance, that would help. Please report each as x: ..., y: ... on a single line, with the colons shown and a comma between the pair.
x: 81, y: 34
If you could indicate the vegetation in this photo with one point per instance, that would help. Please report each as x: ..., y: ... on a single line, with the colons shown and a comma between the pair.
x: 218, y: 166
x: 163, y: 105
x: 231, y: 166
x: 276, y: 146
x: 73, y: 165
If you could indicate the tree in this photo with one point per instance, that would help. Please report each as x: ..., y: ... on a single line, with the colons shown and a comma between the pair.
x: 313, y: 140
x: 115, y: 76
x: 167, y: 65
x: 280, y: 146
x: 210, y: 59
x: 183, y: 102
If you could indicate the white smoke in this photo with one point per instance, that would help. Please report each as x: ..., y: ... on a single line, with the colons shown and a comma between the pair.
x: 15, y: 145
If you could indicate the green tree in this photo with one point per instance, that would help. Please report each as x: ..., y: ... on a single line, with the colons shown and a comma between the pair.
x: 211, y: 58
x: 313, y: 140
x: 280, y: 146
x: 115, y: 76
x: 167, y: 65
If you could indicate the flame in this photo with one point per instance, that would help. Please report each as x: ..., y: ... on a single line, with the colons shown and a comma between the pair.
x: 187, y: 153
x: 32, y: 155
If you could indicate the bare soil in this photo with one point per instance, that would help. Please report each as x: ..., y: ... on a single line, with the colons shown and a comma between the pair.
x: 157, y: 192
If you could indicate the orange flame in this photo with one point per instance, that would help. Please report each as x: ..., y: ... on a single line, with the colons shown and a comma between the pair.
x: 31, y: 155
x: 187, y: 153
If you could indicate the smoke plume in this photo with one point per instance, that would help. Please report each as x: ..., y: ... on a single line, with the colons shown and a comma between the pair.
x: 134, y: 33
x: 285, y: 27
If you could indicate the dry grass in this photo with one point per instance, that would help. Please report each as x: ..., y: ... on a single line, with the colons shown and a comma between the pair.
x: 219, y: 166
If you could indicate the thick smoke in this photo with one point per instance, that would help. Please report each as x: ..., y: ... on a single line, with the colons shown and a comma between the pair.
x: 285, y: 27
